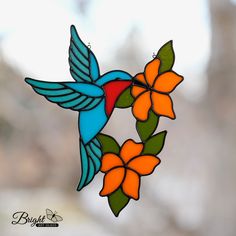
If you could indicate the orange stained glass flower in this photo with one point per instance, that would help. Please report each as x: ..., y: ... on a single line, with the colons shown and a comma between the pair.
x: 151, y: 91
x: 124, y: 170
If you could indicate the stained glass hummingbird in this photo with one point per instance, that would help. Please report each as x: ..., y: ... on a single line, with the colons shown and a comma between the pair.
x: 91, y: 94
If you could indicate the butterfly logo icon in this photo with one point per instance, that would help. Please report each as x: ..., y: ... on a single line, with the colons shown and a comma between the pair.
x: 53, y: 216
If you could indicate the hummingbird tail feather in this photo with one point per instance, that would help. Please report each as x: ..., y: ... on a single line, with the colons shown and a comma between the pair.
x: 90, y: 155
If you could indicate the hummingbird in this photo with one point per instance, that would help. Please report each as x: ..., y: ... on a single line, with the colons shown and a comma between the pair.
x: 92, y: 95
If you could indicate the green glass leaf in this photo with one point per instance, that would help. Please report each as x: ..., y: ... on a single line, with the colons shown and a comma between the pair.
x: 155, y: 143
x: 125, y: 99
x: 167, y: 56
x: 117, y: 201
x: 108, y: 143
x: 147, y: 128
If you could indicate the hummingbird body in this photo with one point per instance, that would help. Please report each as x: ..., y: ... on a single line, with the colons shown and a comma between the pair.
x: 92, y: 95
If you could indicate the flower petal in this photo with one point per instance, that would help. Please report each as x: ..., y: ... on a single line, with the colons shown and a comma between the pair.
x: 136, y: 90
x: 140, y: 77
x: 112, y: 181
x: 130, y: 149
x: 151, y: 71
x: 109, y: 161
x: 167, y: 82
x: 141, y: 106
x: 145, y: 164
x: 131, y: 184
x: 162, y: 105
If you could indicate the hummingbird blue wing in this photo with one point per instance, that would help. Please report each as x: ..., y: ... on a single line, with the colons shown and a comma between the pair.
x: 83, y: 63
x: 89, y: 99
x: 69, y: 95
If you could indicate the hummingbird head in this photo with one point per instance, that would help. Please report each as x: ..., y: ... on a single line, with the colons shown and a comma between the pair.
x: 114, y: 83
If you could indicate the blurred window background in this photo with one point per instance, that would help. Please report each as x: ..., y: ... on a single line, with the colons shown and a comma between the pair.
x: 193, y: 191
